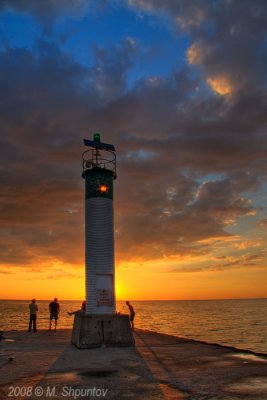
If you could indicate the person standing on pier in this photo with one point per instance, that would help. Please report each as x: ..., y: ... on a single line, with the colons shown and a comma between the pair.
x: 33, y: 310
x: 54, y: 311
x: 132, y: 313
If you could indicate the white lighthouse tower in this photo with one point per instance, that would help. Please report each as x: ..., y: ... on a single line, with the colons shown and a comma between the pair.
x: 99, y: 324
x: 99, y: 171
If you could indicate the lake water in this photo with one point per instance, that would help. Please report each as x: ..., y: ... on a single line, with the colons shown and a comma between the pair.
x: 238, y: 323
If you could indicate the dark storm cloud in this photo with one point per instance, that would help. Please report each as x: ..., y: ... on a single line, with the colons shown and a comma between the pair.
x: 109, y: 74
x: 38, y: 222
x: 228, y: 36
x: 166, y: 216
x: 48, y: 106
x: 48, y: 8
x: 170, y: 135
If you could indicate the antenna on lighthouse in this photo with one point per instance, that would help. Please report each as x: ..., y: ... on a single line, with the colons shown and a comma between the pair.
x: 100, y: 155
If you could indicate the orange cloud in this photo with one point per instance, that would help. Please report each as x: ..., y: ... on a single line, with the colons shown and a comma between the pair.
x: 249, y: 244
x: 195, y: 54
x: 220, y: 85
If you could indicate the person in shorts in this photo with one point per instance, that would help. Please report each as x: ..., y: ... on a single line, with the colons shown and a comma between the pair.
x: 54, y: 311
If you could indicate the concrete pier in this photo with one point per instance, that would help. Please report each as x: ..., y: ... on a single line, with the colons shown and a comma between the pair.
x: 96, y: 330
x: 158, y: 367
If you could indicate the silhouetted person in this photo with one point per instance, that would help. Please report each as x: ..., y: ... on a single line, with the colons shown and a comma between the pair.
x: 33, y: 309
x: 132, y: 313
x: 83, y: 309
x: 54, y: 311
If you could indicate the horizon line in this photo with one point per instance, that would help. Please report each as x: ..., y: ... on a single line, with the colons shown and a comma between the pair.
x: 124, y: 300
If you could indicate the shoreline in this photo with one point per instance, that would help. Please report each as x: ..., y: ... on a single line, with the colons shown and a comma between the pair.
x: 160, y: 366
x: 237, y: 349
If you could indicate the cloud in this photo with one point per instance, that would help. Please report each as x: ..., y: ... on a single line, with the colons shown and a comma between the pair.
x: 220, y: 85
x: 247, y: 260
x: 109, y: 73
x: 62, y: 274
x: 171, y: 135
x: 195, y: 53
x: 4, y: 272
x: 48, y: 9
x: 248, y: 244
x: 263, y: 222
x: 228, y: 38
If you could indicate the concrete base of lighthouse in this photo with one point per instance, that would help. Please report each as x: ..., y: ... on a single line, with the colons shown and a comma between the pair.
x: 96, y: 330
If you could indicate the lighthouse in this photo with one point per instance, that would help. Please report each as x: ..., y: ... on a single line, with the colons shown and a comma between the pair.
x: 99, y: 172
x: 100, y: 324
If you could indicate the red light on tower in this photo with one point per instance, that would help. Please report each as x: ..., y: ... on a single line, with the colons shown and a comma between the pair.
x: 103, y: 188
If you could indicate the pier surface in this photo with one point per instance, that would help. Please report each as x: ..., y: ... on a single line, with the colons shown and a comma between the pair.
x: 45, y: 365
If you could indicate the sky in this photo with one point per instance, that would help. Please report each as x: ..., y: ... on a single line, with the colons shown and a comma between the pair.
x: 179, y: 88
